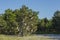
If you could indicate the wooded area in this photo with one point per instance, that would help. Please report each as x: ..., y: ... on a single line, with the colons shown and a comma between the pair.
x: 25, y: 21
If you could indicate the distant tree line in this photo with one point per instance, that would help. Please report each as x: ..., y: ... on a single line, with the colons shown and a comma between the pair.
x: 49, y: 26
x: 25, y: 21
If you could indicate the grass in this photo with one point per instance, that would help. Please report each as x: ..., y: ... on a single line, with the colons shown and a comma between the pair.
x: 6, y: 37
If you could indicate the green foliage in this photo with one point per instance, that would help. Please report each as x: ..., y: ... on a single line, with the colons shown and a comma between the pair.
x: 10, y: 19
x: 3, y: 24
x: 44, y: 26
x: 25, y: 21
x: 56, y: 21
x: 50, y: 26
x: 21, y: 21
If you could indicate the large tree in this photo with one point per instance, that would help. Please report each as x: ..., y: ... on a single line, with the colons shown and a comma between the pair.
x: 27, y: 20
x: 56, y: 21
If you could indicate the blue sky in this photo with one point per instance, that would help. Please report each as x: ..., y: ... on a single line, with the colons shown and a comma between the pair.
x: 46, y: 8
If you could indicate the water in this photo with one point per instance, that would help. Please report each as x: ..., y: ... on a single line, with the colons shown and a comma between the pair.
x: 51, y: 36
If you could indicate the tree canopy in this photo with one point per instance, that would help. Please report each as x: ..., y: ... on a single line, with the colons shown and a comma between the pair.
x: 25, y: 21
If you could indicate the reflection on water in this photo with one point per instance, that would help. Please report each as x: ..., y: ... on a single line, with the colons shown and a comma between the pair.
x: 51, y: 36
